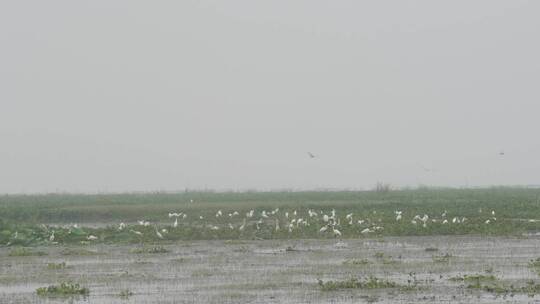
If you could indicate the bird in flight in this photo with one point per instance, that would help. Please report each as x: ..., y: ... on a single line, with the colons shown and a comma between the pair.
x: 501, y: 153
x: 426, y: 169
x: 311, y: 155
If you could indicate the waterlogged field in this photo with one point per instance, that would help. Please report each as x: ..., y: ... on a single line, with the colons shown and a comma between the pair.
x: 425, y: 269
x: 311, y: 247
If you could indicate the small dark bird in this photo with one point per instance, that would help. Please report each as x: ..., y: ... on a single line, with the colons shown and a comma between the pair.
x: 501, y: 153
x: 311, y: 155
x: 426, y: 169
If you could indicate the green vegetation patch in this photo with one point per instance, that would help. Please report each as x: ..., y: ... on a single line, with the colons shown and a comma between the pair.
x: 358, y: 262
x: 354, y: 283
x: 150, y: 250
x: 23, y: 251
x: 384, y: 258
x: 64, y: 289
x: 125, y: 294
x: 491, y: 284
x: 475, y: 278
x: 535, y: 265
x: 441, y: 258
x: 55, y: 266
x: 78, y: 252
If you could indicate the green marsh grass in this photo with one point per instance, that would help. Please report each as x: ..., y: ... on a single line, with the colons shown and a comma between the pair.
x: 30, y: 219
x: 64, y: 289
x: 23, y: 252
x: 354, y: 283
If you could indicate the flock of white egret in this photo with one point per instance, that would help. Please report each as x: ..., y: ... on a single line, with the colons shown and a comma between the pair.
x: 306, y: 222
x: 326, y: 222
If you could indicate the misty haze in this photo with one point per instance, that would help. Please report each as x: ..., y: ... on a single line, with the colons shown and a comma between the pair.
x: 269, y: 151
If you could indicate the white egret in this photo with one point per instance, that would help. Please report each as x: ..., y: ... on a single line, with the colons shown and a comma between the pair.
x: 136, y: 232
x: 144, y: 223
x: 243, y: 225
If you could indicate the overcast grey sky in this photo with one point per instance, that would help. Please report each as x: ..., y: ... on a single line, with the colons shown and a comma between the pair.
x: 148, y: 95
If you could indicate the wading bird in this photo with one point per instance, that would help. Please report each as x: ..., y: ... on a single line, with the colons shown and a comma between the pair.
x: 325, y: 218
x: 243, y: 225
x: 136, y: 232
x: 366, y: 231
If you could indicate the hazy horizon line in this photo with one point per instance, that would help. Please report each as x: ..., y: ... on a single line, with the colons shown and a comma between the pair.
x: 275, y: 190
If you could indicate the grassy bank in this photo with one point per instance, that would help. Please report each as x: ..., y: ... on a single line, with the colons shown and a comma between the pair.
x: 28, y: 219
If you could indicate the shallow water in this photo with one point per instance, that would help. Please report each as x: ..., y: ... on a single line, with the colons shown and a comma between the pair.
x: 266, y: 272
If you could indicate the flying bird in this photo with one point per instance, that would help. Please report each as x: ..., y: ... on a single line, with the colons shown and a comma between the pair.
x: 426, y: 169
x: 311, y: 155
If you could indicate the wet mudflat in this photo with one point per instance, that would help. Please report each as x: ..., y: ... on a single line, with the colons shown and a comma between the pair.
x: 423, y: 270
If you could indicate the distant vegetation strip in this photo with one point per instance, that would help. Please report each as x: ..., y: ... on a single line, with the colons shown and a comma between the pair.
x: 50, y: 219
